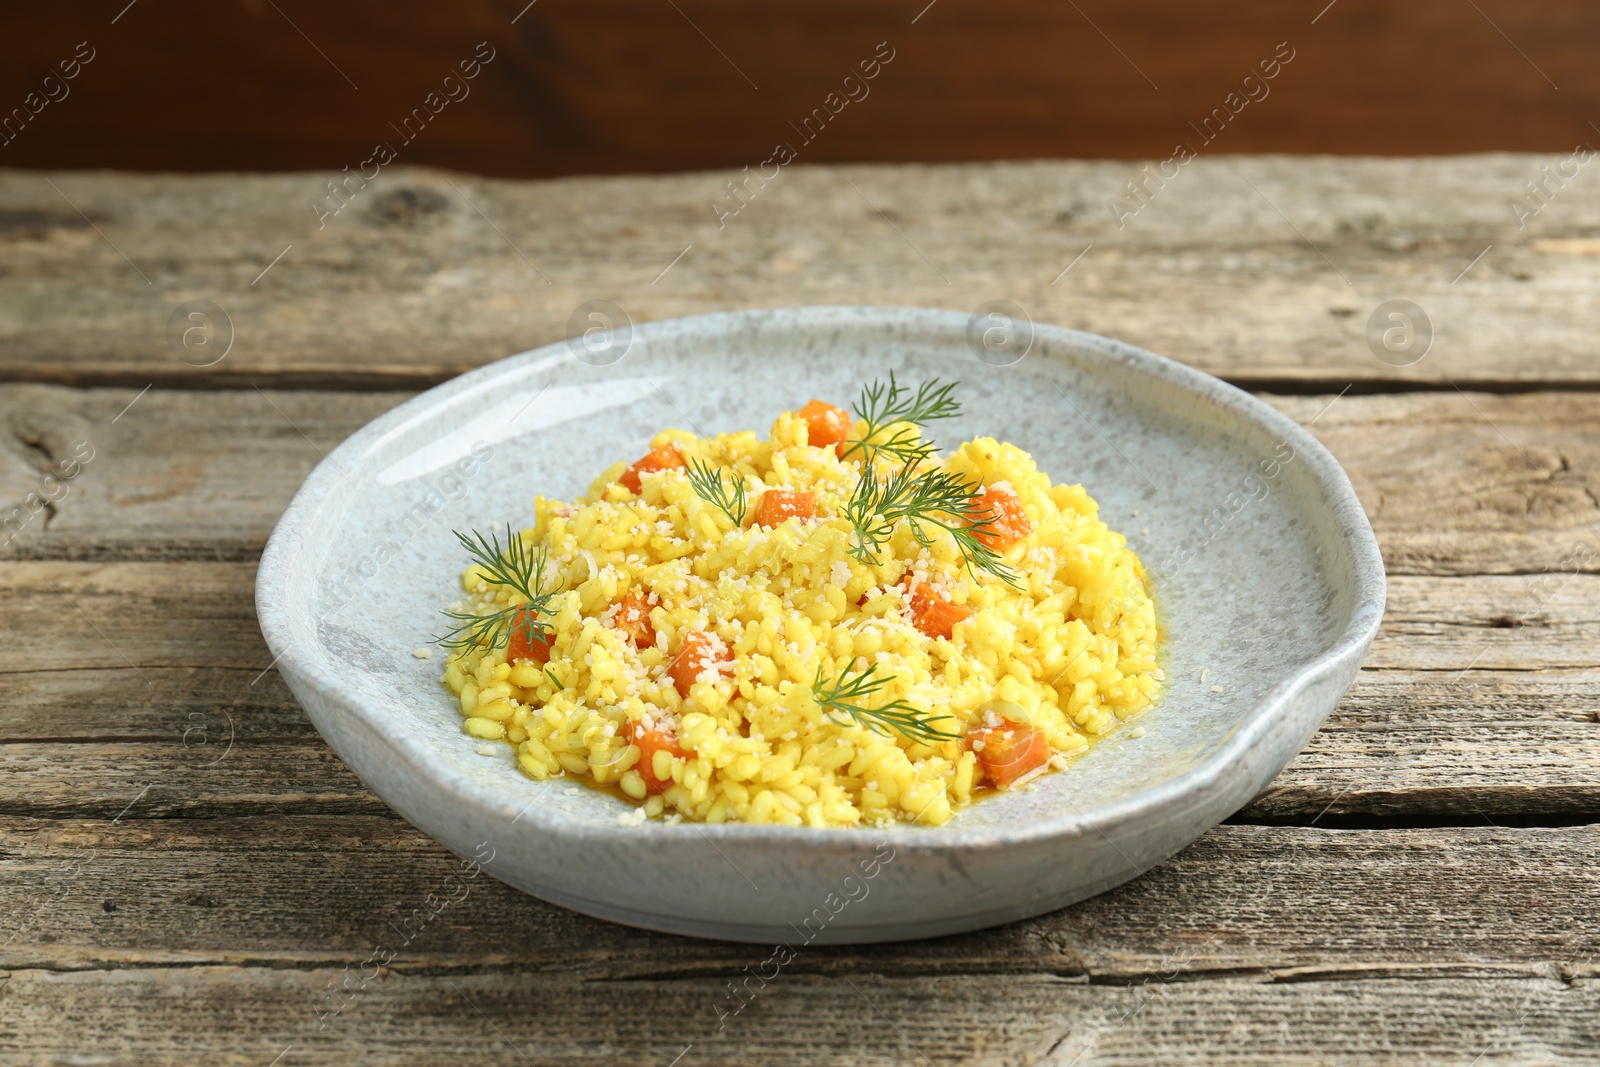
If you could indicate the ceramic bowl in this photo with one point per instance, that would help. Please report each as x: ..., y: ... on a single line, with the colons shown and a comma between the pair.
x: 1268, y: 581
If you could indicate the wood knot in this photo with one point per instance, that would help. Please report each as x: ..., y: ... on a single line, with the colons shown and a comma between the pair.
x: 406, y: 206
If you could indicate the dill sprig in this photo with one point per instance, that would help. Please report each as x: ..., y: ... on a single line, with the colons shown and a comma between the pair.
x: 882, y: 406
x: 517, y: 568
x: 927, y: 500
x: 708, y: 484
x: 843, y: 696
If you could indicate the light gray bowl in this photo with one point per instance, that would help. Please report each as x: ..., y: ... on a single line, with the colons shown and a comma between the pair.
x: 1267, y: 577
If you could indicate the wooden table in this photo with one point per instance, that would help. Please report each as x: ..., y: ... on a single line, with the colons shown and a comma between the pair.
x: 190, y: 875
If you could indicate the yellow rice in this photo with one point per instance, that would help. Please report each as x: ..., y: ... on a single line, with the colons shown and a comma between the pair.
x: 1076, y: 652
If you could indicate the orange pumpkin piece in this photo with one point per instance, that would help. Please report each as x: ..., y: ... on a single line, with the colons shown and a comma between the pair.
x: 1007, y: 524
x: 665, y: 458
x: 523, y: 646
x: 698, y: 651
x: 779, y: 504
x: 934, y: 615
x: 1009, y: 751
x: 651, y: 741
x: 633, y: 618
x: 825, y: 424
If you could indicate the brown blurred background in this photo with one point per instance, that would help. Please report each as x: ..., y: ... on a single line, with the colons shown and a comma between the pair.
x: 606, y: 86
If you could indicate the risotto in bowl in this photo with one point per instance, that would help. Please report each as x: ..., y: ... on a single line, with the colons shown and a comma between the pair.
x: 760, y: 626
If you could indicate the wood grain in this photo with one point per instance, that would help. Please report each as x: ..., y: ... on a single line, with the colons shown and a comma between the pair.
x: 199, y: 705
x: 1263, y: 270
x: 1459, y: 717
x: 190, y: 875
x: 1266, y: 903
x: 247, y: 1015
x: 1509, y: 623
x: 1460, y: 482
x: 1454, y: 483
x: 176, y: 475
x: 1471, y: 747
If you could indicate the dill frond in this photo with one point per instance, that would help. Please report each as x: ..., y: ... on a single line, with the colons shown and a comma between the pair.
x: 927, y: 501
x: 517, y: 568
x: 882, y: 406
x: 709, y: 486
x: 842, y: 696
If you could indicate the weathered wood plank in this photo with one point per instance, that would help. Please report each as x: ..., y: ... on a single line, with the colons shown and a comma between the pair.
x: 1461, y: 714
x: 1462, y: 483
x: 1454, y: 483
x: 160, y: 475
x: 1469, y: 747
x: 92, y: 778
x: 1265, y: 268
x: 249, y: 1015
x: 1472, y: 747
x: 1508, y: 623
x: 73, y: 616
x: 1265, y: 901
x: 151, y: 674
x: 190, y: 706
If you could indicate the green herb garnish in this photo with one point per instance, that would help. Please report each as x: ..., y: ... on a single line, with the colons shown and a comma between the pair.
x: 709, y: 486
x: 517, y: 568
x: 927, y: 500
x: 881, y: 407
x: 548, y: 673
x: 843, y: 696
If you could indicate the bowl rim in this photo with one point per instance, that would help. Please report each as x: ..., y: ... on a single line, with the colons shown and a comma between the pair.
x: 284, y: 548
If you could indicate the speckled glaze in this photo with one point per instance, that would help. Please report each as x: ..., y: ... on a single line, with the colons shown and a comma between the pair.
x: 1266, y: 574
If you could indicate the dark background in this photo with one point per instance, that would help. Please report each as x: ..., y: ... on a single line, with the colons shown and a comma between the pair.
x: 606, y: 86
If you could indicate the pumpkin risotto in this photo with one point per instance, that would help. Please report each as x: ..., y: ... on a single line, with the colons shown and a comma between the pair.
x: 831, y: 627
